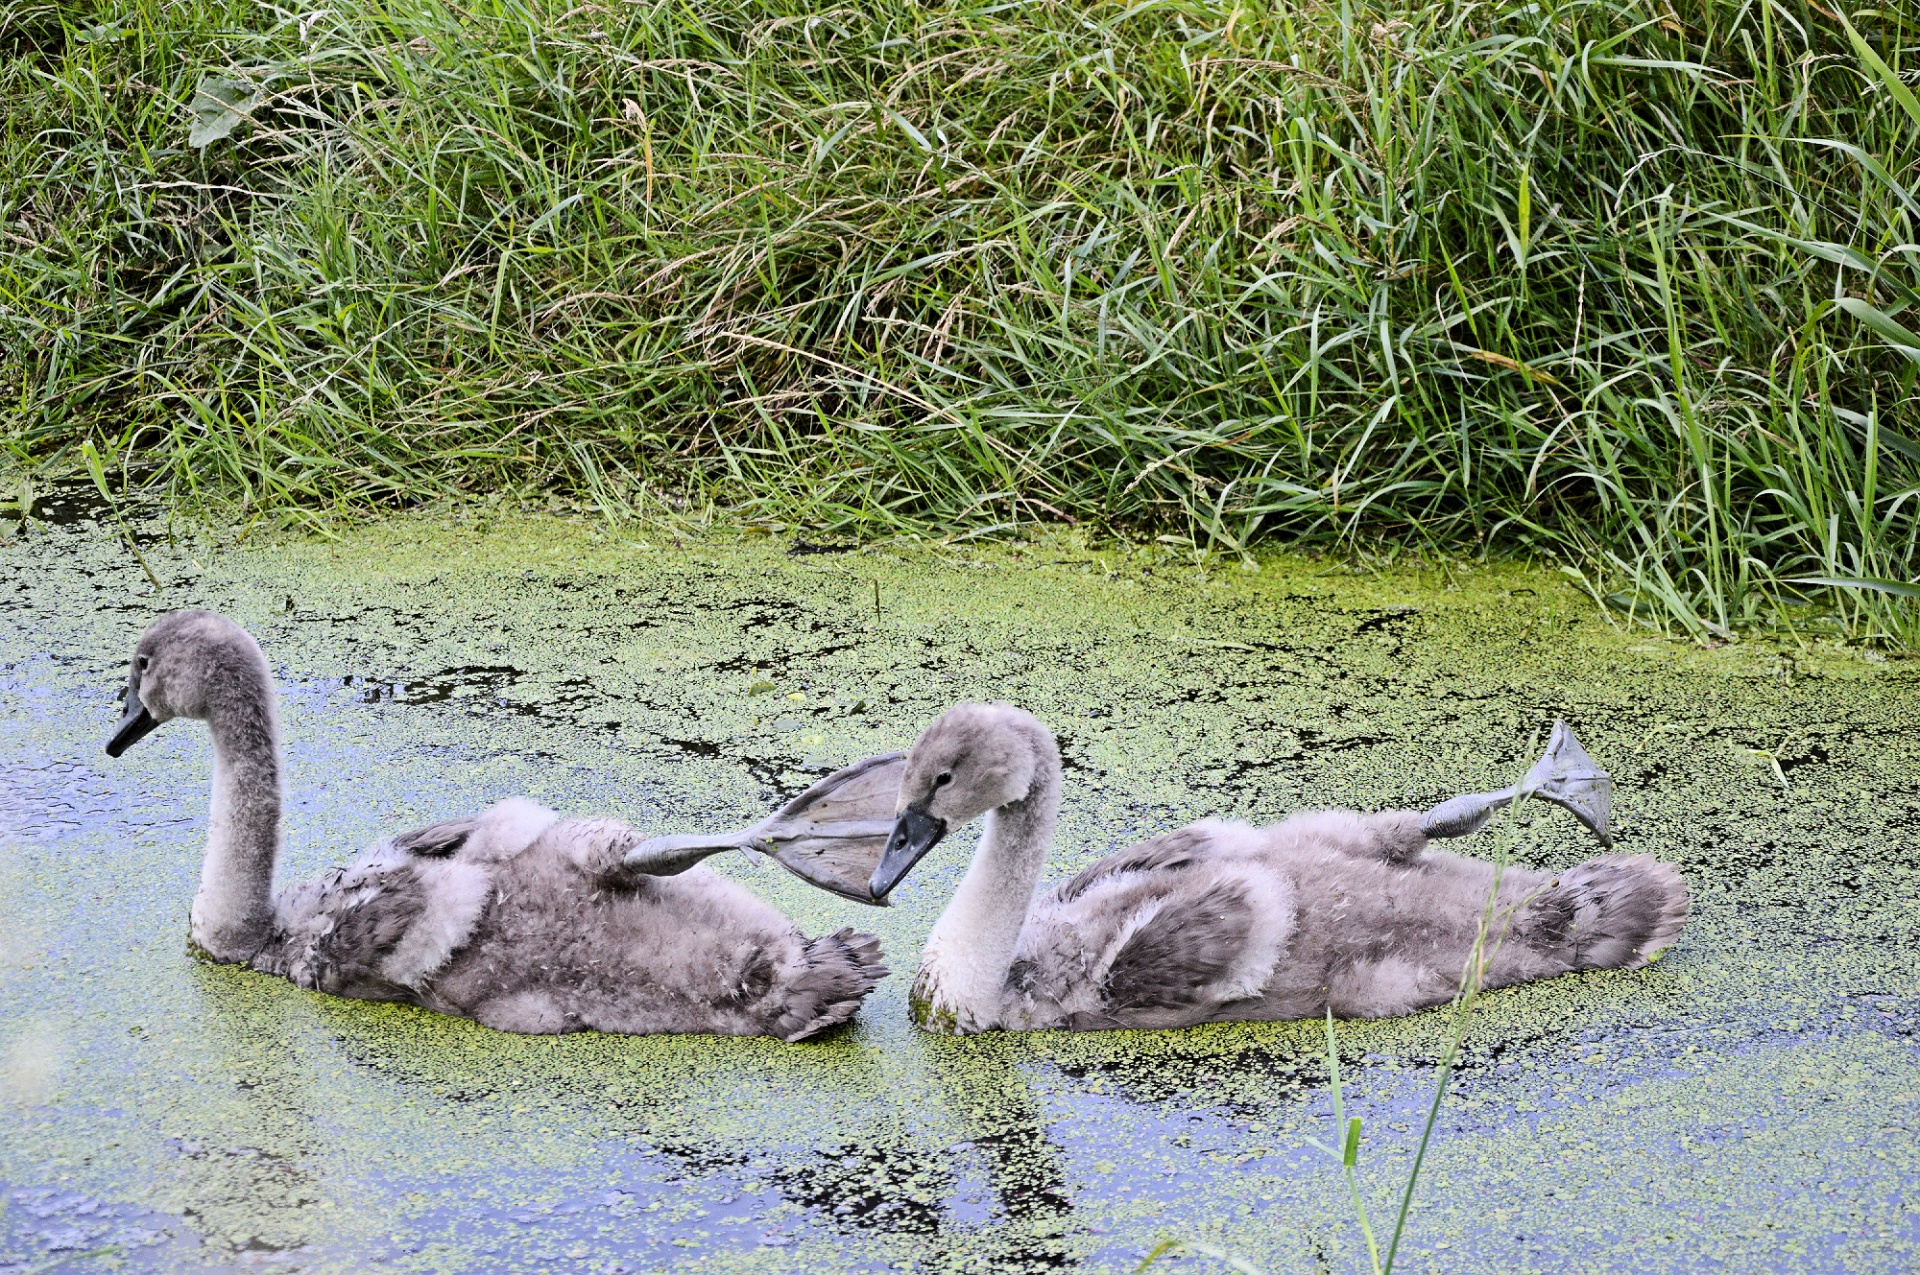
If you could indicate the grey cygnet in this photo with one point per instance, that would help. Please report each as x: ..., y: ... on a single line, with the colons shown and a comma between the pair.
x: 520, y: 919
x: 1330, y: 910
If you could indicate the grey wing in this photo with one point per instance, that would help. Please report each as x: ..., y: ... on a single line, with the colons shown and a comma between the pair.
x: 1181, y: 956
x: 349, y: 921
x: 1395, y: 836
x: 383, y: 925
x: 1171, y: 932
x: 437, y: 840
x: 1168, y: 852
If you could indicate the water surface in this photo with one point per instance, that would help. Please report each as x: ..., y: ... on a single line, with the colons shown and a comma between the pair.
x: 1749, y: 1103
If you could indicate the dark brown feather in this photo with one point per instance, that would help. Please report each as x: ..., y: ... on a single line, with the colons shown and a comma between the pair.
x: 1187, y: 947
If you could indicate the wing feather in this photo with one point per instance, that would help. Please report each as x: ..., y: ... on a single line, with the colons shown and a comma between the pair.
x: 1179, y: 950
x: 383, y: 925
x: 1170, y: 852
x: 1171, y: 932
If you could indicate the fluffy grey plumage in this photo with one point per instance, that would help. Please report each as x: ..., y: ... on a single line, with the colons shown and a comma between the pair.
x: 1222, y: 921
x: 517, y: 918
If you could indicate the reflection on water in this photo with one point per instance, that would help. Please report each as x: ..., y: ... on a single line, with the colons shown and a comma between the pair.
x: 52, y: 1228
x: 254, y: 1187
x: 1007, y: 1136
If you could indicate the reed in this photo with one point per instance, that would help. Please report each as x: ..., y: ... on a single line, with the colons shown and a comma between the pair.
x: 1623, y: 284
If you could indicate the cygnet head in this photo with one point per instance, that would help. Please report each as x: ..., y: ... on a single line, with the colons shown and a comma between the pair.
x: 974, y: 758
x: 191, y: 664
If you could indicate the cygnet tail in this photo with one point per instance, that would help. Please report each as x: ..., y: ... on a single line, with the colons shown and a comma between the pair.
x: 840, y: 969
x: 1615, y: 913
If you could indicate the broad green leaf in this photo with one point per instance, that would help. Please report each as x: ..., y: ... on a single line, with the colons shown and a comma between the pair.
x: 218, y: 106
x: 1838, y: 253
x: 1890, y: 332
x: 1901, y: 93
x: 98, y: 470
x: 919, y: 138
x: 1873, y: 166
x: 1893, y: 587
x: 1350, y: 1149
x: 1890, y: 438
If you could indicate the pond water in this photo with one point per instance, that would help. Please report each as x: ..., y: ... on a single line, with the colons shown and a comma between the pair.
x: 1748, y: 1103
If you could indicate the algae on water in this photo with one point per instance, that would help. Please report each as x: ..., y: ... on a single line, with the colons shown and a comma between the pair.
x: 1754, y: 1095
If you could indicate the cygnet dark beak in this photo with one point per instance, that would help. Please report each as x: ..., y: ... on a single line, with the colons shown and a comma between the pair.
x: 134, y: 726
x: 914, y: 833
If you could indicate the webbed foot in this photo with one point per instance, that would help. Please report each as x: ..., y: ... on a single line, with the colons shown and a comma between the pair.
x: 831, y: 836
x: 1568, y: 778
x: 1565, y: 776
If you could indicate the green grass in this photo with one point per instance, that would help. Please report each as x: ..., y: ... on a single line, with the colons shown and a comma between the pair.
x: 1621, y: 283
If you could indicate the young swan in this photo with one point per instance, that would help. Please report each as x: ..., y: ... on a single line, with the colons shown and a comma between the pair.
x: 517, y: 918
x: 1221, y: 921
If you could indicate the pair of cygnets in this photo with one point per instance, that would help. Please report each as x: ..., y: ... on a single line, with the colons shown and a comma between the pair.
x: 528, y: 922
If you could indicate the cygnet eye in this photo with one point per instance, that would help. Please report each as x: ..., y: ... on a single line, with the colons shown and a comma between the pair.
x: 139, y: 669
x: 942, y: 779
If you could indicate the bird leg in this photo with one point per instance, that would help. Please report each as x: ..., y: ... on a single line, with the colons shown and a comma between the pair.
x: 670, y: 856
x: 1565, y: 776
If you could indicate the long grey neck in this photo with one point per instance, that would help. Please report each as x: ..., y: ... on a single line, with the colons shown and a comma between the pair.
x: 971, y: 948
x: 233, y: 916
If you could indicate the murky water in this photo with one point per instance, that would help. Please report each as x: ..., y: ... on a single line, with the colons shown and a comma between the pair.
x: 1749, y: 1103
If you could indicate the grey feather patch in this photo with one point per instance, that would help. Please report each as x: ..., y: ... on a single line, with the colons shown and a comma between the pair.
x: 1168, y: 852
x: 1188, y: 947
x: 841, y: 968
x: 1617, y: 912
x: 438, y: 840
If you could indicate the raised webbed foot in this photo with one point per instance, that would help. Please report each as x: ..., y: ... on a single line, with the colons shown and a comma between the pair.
x: 1568, y: 778
x: 1565, y: 776
x: 832, y: 835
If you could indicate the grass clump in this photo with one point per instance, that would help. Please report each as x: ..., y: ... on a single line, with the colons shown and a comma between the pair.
x: 1623, y: 282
